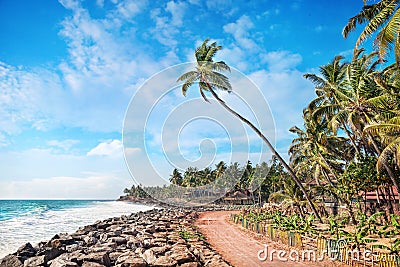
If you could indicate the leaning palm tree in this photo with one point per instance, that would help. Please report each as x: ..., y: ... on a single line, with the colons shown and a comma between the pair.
x: 382, y: 18
x: 209, y: 78
x: 389, y: 133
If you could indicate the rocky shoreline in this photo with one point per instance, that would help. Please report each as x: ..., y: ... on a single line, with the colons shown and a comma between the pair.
x: 160, y: 237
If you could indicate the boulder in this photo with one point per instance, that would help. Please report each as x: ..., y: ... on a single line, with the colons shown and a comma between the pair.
x: 26, y: 251
x: 164, y: 261
x: 92, y: 264
x: 189, y: 264
x: 159, y: 250
x: 51, y: 253
x: 62, y: 263
x: 90, y: 240
x: 11, y: 261
x: 36, y: 261
x: 99, y: 257
x: 149, y: 256
x: 119, y: 240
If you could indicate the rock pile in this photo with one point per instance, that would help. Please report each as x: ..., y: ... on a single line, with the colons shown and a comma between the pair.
x: 159, y: 238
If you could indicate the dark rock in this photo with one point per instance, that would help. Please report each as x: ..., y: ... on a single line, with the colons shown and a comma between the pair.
x: 147, y: 243
x: 99, y: 257
x: 150, y: 228
x: 51, y: 253
x: 114, y: 256
x: 118, y: 240
x: 11, y: 261
x: 75, y: 256
x: 133, y: 243
x: 26, y: 251
x: 182, y: 257
x: 132, y: 232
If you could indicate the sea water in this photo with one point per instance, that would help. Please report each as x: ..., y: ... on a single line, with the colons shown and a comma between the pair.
x: 23, y: 221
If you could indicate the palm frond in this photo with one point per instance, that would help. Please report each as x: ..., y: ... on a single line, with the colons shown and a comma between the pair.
x: 377, y: 21
x: 388, y: 35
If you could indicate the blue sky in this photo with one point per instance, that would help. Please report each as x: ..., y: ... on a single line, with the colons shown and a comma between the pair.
x: 68, y: 70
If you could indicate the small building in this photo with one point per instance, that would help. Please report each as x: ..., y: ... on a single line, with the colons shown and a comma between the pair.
x: 238, y: 198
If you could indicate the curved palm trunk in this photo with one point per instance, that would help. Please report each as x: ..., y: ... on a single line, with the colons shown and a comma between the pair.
x: 261, y: 135
x: 329, y: 168
x: 351, y: 139
x: 388, y: 169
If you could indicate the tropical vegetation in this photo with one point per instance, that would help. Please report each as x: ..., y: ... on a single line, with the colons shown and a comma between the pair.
x: 346, y: 154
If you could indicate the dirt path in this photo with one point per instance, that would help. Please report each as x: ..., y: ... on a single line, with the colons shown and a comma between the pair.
x: 239, y: 247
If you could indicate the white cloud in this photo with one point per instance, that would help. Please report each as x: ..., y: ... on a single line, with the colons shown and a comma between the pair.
x: 177, y: 10
x: 64, y: 144
x: 164, y: 31
x: 46, y: 173
x: 130, y: 8
x: 287, y: 93
x: 223, y: 7
x: 94, y: 186
x: 111, y: 148
x: 240, y: 31
x: 281, y: 60
x: 100, y: 3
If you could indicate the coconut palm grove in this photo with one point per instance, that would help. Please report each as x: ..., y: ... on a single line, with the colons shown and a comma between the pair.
x: 341, y: 181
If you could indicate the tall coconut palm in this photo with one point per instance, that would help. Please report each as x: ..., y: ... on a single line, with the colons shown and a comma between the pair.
x: 290, y: 197
x: 328, y: 90
x: 389, y: 131
x: 382, y: 18
x: 209, y: 79
x: 176, y: 178
x: 354, y: 103
x: 315, y: 151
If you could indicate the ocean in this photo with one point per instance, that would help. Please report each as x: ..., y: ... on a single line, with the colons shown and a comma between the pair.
x: 23, y: 221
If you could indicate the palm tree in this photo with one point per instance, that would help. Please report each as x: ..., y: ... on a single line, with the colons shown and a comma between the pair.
x: 328, y: 90
x: 290, y: 196
x: 382, y: 18
x: 176, y: 178
x: 315, y: 151
x: 354, y: 102
x: 389, y: 131
x: 209, y: 78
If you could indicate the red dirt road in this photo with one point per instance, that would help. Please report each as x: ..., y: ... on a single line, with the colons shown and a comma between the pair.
x: 239, y: 247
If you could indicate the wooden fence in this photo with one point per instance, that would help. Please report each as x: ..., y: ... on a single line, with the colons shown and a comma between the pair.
x: 337, y: 250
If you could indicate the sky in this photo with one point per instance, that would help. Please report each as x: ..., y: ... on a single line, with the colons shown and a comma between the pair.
x: 71, y: 70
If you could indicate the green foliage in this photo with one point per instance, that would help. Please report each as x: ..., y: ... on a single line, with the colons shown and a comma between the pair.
x: 293, y: 222
x: 188, y: 236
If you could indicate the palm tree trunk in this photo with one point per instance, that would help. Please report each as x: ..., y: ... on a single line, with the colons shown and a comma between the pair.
x: 351, y: 212
x: 351, y: 139
x: 261, y: 135
x: 328, y: 166
x: 388, y: 169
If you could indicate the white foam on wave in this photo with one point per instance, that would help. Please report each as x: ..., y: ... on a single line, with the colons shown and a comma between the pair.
x: 43, y: 226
